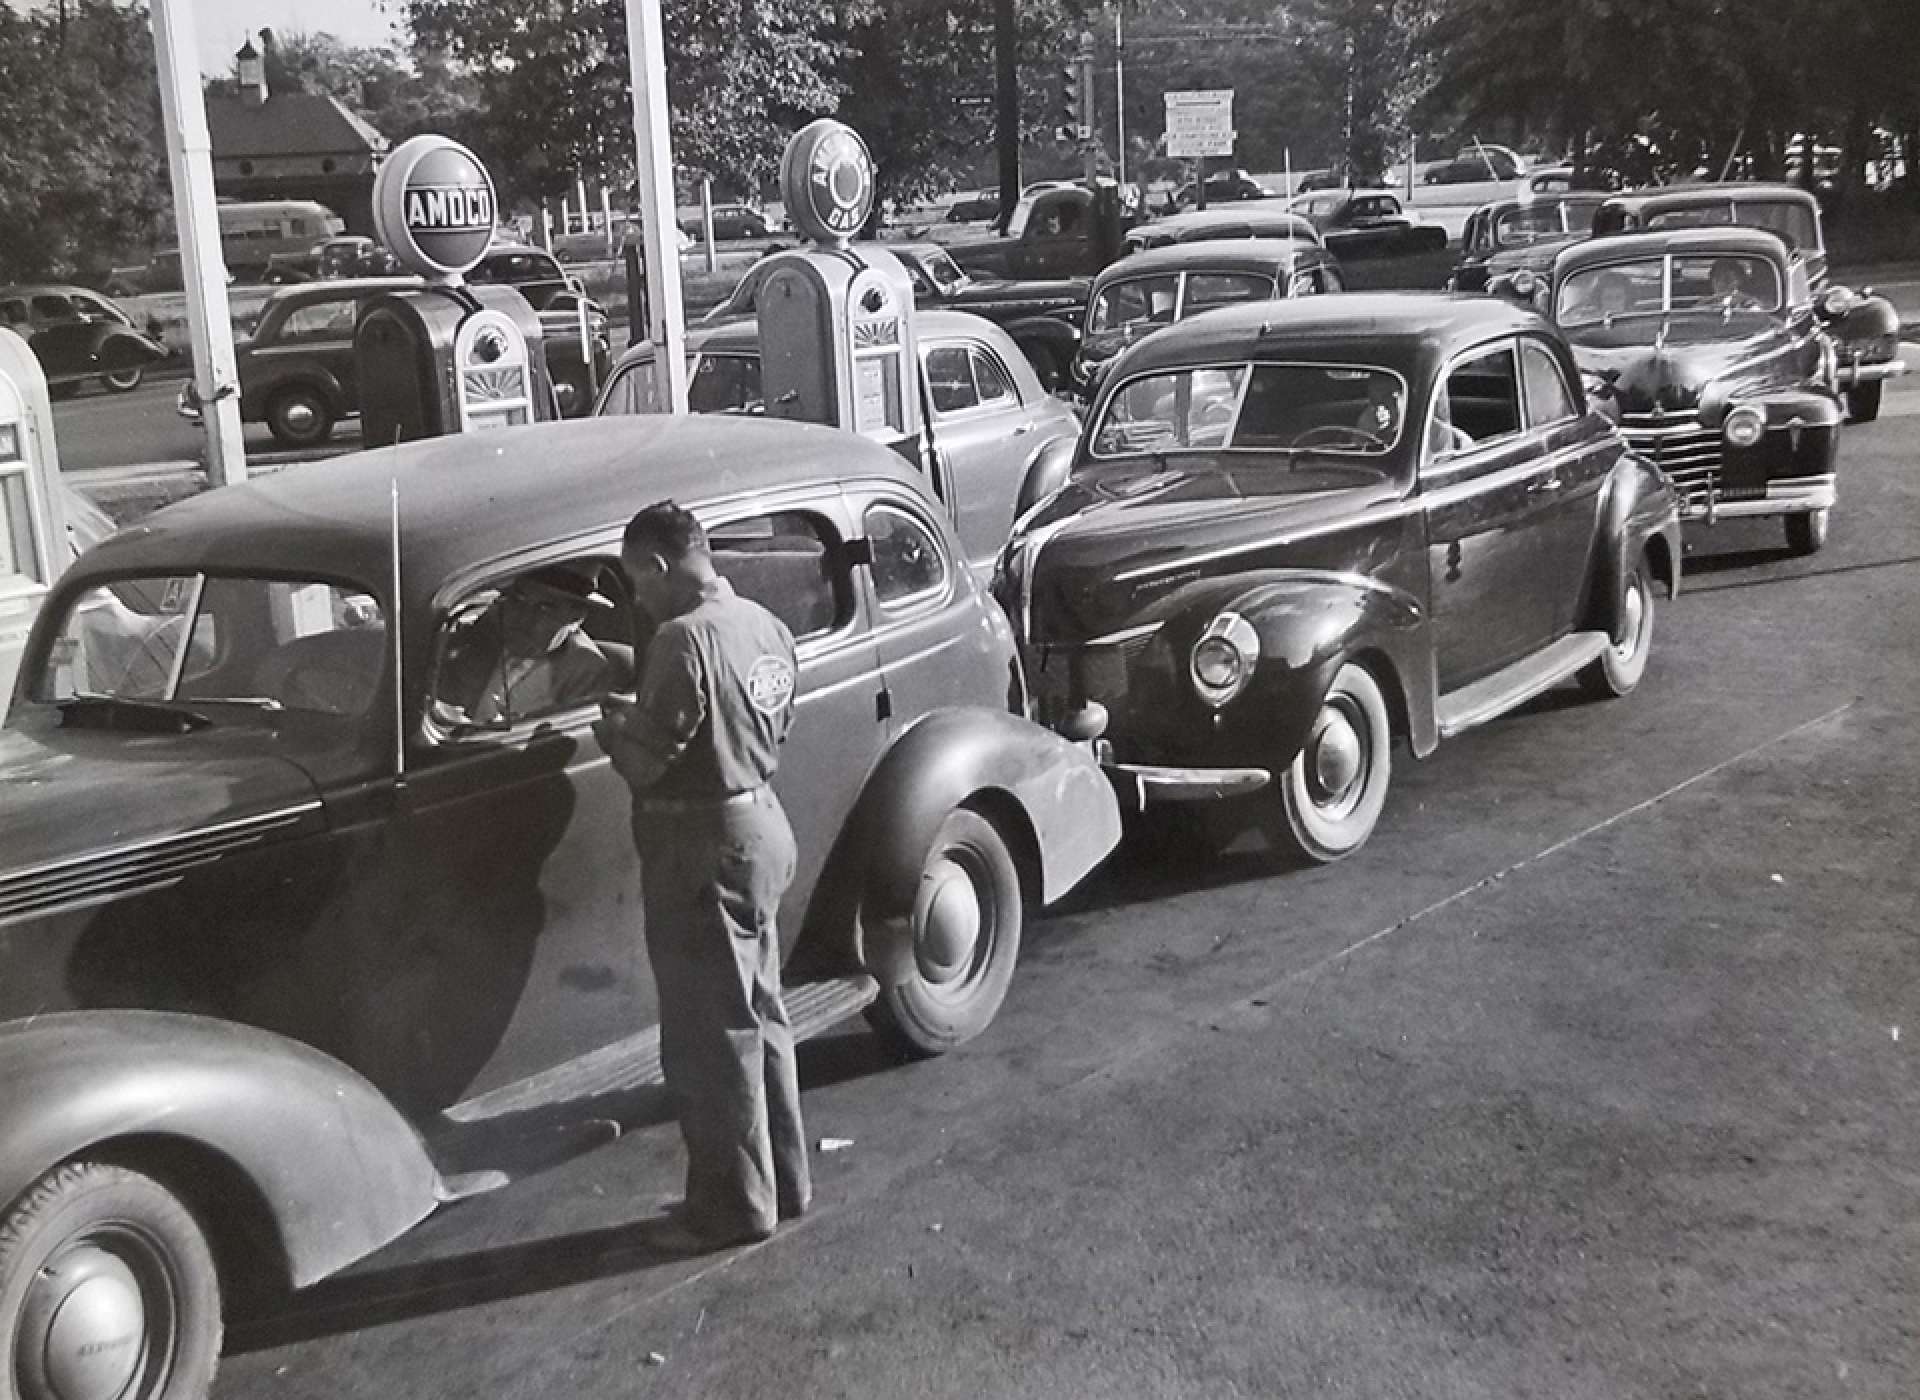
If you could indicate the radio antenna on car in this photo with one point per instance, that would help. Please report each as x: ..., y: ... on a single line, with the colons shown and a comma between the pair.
x: 394, y: 632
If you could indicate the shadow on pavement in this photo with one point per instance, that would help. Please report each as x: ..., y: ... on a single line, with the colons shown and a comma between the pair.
x: 521, y: 1145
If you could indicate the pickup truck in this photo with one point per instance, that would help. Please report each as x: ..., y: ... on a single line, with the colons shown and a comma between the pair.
x: 1069, y: 231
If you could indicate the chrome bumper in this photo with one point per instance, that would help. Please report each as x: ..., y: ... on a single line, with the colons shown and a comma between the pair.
x: 1849, y: 375
x: 1790, y: 497
x: 1137, y: 784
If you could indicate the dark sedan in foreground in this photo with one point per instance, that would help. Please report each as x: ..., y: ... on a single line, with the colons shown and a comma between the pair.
x: 1299, y: 531
x: 1708, y: 346
x: 307, y: 913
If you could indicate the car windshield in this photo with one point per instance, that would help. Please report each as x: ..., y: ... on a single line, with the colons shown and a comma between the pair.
x: 715, y: 384
x: 1793, y: 221
x: 1345, y: 409
x: 1656, y: 286
x: 206, y: 639
x: 1531, y: 223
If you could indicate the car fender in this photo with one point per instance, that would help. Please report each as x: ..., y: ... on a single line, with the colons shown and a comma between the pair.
x: 1054, y: 331
x: 255, y: 397
x: 1050, y: 790
x: 1047, y: 471
x: 1870, y: 318
x: 1638, y: 513
x: 1310, y: 622
x: 338, y: 1170
x: 119, y: 346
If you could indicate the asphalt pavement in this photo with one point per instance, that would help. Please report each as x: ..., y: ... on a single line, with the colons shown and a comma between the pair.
x: 1591, y: 1076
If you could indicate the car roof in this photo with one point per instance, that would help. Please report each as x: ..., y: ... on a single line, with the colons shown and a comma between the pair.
x: 1352, y: 192
x: 340, y: 289
x: 1707, y: 192
x: 1218, y: 255
x: 472, y: 498
x: 33, y: 289
x: 1239, y: 212
x: 1407, y: 331
x: 1733, y: 239
x: 740, y: 334
x: 1494, y: 208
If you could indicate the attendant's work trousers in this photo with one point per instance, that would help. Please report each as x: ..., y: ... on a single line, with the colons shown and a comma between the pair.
x: 712, y: 876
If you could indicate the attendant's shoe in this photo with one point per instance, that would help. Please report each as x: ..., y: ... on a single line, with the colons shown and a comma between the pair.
x: 678, y: 1235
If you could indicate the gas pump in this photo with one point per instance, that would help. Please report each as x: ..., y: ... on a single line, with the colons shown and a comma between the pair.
x: 32, y: 529
x: 449, y: 358
x: 836, y: 322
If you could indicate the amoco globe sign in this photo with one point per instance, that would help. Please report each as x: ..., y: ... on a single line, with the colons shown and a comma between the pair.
x: 433, y: 206
x: 826, y: 182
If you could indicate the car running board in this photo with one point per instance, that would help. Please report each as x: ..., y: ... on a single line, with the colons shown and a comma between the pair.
x: 1513, y: 685
x: 634, y: 1063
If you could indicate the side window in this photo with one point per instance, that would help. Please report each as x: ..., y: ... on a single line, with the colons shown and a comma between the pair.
x: 908, y: 562
x: 634, y: 390
x: 1479, y: 402
x: 950, y: 379
x: 52, y: 308
x: 539, y: 643
x: 991, y: 378
x: 323, y: 320
x: 725, y: 384
x: 13, y: 312
x: 1549, y: 400
x: 789, y: 563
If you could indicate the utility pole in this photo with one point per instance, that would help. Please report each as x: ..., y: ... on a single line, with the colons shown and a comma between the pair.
x: 653, y: 146
x: 202, y: 266
x: 1119, y: 104
x: 1089, y: 145
x: 1006, y: 73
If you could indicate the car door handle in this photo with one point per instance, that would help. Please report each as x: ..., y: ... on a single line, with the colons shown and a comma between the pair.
x: 1023, y: 430
x: 1540, y: 485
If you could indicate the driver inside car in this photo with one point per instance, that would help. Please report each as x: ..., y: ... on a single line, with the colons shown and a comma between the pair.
x: 545, y: 660
x: 1729, y: 279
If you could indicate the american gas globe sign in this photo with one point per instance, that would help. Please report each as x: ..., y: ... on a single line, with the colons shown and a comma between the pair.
x: 434, y: 207
x: 826, y: 181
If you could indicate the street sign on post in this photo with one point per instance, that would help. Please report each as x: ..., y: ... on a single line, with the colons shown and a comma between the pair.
x: 1200, y: 124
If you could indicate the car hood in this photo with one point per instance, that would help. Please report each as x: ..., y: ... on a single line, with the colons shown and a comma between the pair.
x: 1665, y: 370
x: 997, y: 291
x: 66, y: 794
x: 1097, y: 347
x: 1538, y: 256
x: 1104, y: 549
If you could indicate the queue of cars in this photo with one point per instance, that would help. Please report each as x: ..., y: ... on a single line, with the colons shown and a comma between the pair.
x: 282, y: 920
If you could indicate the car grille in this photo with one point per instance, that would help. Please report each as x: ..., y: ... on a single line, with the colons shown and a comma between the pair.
x: 1061, y: 677
x: 1691, y: 456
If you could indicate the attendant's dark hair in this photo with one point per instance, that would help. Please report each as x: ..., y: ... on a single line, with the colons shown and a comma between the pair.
x: 667, y: 530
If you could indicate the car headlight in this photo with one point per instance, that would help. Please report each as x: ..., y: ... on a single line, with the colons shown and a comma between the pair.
x: 1223, y: 659
x: 1836, y: 302
x: 1525, y: 284
x: 1744, y: 427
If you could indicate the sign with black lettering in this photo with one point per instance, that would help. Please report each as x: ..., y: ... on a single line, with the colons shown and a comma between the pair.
x: 434, y: 207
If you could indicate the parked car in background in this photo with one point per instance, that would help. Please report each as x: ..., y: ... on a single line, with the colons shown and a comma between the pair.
x: 731, y: 224
x: 996, y: 441
x: 1709, y: 347
x: 254, y: 231
x: 1226, y: 187
x: 974, y: 207
x: 1865, y: 327
x: 1368, y: 224
x: 1145, y: 291
x: 1508, y: 246
x: 1042, y: 315
x: 286, y: 927
x: 1562, y: 179
x: 1299, y: 531
x: 1472, y: 164
x: 78, y: 335
x: 1052, y: 233
x: 1268, y: 219
x: 299, y: 376
x: 350, y: 255
x: 160, y: 273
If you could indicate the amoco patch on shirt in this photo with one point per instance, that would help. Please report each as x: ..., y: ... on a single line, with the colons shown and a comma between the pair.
x: 770, y: 684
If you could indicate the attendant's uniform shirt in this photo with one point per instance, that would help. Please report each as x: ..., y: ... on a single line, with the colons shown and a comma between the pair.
x: 716, y: 698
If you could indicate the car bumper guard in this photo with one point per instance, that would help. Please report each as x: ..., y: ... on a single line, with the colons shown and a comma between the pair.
x: 1138, y: 784
x: 1794, y: 496
x: 1847, y: 376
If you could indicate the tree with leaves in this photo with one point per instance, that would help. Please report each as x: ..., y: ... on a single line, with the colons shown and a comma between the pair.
x: 555, y: 98
x: 83, y: 171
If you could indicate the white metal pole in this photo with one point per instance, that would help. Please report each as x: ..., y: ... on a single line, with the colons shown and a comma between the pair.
x: 1119, y: 109
x: 203, y: 268
x: 546, y: 226
x: 706, y: 226
x: 653, y: 142
x: 606, y: 216
x: 580, y: 187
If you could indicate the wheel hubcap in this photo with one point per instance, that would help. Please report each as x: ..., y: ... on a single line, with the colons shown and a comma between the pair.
x: 1636, y: 611
x: 950, y: 926
x: 1338, y: 756
x: 94, y: 1327
x: 300, y: 417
